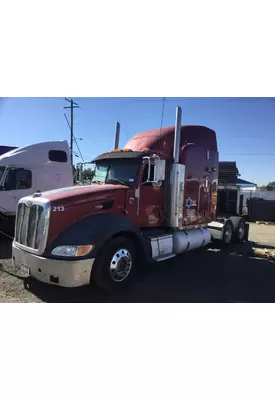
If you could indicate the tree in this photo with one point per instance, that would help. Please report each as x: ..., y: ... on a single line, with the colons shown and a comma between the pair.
x: 88, y: 174
x: 74, y: 174
x: 270, y: 186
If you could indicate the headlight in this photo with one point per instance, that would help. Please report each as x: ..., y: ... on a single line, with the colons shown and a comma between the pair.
x: 72, y: 251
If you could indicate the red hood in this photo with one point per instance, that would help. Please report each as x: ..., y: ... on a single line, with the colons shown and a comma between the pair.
x: 89, y: 191
x: 71, y: 204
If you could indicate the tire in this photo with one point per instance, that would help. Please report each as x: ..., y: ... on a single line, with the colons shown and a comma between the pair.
x: 7, y: 225
x: 115, y: 265
x: 238, y: 229
x: 228, y: 232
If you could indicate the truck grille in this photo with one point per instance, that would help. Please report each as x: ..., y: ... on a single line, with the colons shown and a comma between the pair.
x: 30, y: 225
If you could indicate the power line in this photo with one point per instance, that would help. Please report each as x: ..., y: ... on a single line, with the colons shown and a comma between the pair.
x: 78, y: 149
x: 173, y: 99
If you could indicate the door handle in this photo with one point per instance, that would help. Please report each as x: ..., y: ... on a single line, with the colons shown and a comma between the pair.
x: 131, y: 200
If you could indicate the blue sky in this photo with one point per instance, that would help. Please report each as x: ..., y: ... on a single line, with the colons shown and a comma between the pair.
x: 245, y: 127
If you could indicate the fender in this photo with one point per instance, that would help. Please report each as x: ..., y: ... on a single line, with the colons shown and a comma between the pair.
x: 97, y: 230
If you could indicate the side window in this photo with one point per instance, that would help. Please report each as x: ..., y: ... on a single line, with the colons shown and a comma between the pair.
x: 18, y: 179
x: 58, y: 156
x: 145, y: 174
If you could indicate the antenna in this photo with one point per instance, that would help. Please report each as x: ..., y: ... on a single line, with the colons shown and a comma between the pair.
x: 161, y: 121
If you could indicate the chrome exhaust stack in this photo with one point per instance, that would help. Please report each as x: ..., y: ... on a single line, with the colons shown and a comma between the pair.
x: 176, y: 150
x: 177, y: 177
x: 117, y: 134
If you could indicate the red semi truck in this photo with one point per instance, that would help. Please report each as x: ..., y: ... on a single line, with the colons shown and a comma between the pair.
x: 151, y: 201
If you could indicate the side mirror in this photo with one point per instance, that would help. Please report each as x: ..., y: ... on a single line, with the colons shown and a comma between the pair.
x: 159, y: 173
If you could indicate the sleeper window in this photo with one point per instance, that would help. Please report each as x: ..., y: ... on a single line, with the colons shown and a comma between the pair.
x: 58, y: 156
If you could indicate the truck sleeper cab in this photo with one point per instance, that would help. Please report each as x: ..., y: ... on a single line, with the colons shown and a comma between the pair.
x: 150, y: 201
x: 25, y: 170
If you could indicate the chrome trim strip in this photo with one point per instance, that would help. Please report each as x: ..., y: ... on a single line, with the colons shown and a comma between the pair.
x: 35, y: 227
x: 20, y: 226
x: 26, y: 218
x: 45, y: 203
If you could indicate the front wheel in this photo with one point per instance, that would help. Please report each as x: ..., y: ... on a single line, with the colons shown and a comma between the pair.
x: 115, y: 265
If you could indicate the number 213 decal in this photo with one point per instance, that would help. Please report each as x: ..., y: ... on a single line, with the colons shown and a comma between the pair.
x: 58, y: 208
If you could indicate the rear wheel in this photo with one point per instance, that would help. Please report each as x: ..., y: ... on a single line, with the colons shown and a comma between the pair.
x: 227, y: 233
x: 115, y: 265
x: 238, y: 229
x: 7, y: 225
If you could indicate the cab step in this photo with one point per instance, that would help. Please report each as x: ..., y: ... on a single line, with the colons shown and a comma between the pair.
x: 162, y: 247
x: 165, y: 257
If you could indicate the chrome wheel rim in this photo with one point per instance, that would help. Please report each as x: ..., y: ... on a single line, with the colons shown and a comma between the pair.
x: 241, y: 231
x: 228, y: 234
x: 120, y: 265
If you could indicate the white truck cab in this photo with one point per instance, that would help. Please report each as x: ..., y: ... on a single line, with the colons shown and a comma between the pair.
x: 26, y: 170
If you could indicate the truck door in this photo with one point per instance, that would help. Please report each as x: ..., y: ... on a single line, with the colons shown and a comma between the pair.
x: 151, y: 201
x: 18, y: 183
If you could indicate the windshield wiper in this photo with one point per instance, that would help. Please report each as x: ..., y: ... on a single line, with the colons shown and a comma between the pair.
x: 115, y: 180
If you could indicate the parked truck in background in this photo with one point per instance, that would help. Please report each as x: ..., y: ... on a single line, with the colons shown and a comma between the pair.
x: 6, y: 149
x: 152, y: 200
x: 230, y: 197
x: 29, y: 169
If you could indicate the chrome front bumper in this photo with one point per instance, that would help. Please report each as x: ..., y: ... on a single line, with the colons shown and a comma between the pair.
x: 56, y: 272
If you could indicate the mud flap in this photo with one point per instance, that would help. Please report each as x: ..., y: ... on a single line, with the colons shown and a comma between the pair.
x: 246, y: 231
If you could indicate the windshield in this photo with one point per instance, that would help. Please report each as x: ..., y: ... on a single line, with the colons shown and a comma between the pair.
x: 2, y: 170
x: 116, y: 171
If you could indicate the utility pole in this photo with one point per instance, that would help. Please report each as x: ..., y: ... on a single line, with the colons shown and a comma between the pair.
x: 71, y: 107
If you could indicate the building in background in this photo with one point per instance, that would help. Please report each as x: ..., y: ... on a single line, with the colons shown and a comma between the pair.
x: 245, y: 185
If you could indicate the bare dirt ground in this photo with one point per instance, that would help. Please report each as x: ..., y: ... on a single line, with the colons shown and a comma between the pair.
x: 205, y: 275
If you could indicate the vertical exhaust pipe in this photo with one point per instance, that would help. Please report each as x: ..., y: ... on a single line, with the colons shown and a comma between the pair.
x: 81, y: 173
x: 176, y: 150
x: 117, y: 133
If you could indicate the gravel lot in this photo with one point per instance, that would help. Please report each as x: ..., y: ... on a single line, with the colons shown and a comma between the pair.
x: 205, y: 275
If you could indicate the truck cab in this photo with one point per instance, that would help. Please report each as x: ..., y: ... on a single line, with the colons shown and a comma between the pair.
x: 29, y: 169
x: 151, y: 200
